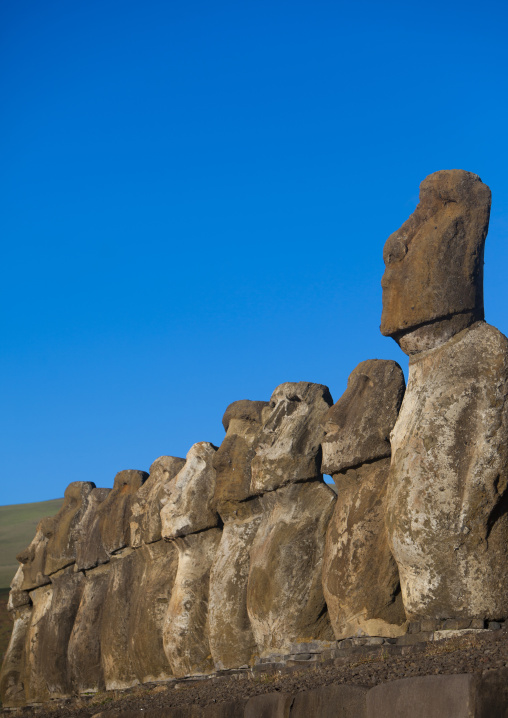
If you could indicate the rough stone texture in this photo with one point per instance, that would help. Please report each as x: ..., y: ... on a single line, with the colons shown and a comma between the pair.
x: 285, y: 599
x: 149, y: 606
x: 84, y: 650
x: 232, y: 461
x: 337, y: 701
x: 190, y: 506
x: 12, y: 675
x: 18, y: 597
x: 55, y: 608
x: 145, y: 520
x: 289, y: 446
x: 115, y: 510
x: 61, y: 548
x: 186, y: 641
x: 232, y: 641
x: 360, y: 576
x: 124, y: 575
x: 456, y: 696
x: 434, y: 262
x: 33, y: 558
x: 358, y: 426
x: 447, y: 496
x: 90, y: 549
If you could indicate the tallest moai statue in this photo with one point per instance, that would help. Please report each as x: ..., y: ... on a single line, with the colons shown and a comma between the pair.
x: 447, y: 497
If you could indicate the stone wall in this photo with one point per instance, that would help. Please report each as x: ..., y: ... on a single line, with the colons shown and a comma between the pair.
x: 236, y: 554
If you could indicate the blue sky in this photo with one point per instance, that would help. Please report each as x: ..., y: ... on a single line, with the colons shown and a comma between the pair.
x: 195, y: 198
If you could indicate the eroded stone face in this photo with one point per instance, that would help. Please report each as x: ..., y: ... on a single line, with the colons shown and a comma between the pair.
x: 190, y: 506
x: 33, y: 558
x: 232, y: 641
x: 62, y: 544
x: 232, y: 460
x: 17, y: 596
x: 447, y: 494
x: 434, y: 262
x: 116, y: 509
x: 360, y: 575
x: 285, y: 599
x: 90, y: 550
x: 289, y: 446
x: 358, y: 426
x: 145, y: 520
x: 186, y: 637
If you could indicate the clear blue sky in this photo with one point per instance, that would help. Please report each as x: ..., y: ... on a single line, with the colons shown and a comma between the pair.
x: 194, y: 201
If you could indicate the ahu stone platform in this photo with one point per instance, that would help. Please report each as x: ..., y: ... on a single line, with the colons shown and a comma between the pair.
x: 230, y: 557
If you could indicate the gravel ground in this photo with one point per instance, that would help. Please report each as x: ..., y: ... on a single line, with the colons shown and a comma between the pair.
x: 363, y: 665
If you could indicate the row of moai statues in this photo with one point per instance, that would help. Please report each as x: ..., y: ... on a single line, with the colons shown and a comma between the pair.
x: 239, y: 551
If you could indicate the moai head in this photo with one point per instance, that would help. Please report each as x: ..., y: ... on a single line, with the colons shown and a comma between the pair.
x: 33, y: 558
x: 289, y: 447
x: 434, y: 262
x: 61, y: 548
x: 190, y: 506
x: 232, y: 460
x: 358, y: 426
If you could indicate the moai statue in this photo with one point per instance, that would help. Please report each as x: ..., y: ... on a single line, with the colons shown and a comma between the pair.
x: 189, y: 521
x: 90, y: 551
x: 285, y: 601
x: 447, y: 496
x: 360, y: 576
x: 232, y: 641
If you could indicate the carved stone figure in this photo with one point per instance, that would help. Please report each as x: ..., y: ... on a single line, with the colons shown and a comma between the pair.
x: 360, y: 576
x: 447, y: 497
x: 189, y: 519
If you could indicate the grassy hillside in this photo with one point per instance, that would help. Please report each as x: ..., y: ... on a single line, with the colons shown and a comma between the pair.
x: 17, y: 529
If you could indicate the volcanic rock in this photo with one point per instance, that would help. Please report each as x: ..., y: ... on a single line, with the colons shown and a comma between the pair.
x: 90, y: 550
x: 145, y: 520
x: 190, y: 506
x: 285, y: 599
x: 12, y: 675
x: 434, y: 262
x: 186, y: 641
x: 289, y: 447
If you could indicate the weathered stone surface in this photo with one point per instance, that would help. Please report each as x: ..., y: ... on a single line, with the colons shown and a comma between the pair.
x: 33, y: 558
x: 190, y: 506
x: 449, y: 696
x: 434, y: 262
x: 447, y: 496
x: 360, y: 576
x: 115, y: 510
x: 84, y: 650
x: 289, y: 446
x: 232, y: 461
x: 285, y: 599
x: 61, y: 548
x: 12, y: 675
x: 335, y: 701
x: 145, y: 520
x: 232, y: 641
x: 358, y: 426
x: 90, y: 549
x: 125, y: 573
x: 55, y: 608
x: 186, y: 641
x: 149, y: 606
x: 269, y: 705
x: 18, y: 597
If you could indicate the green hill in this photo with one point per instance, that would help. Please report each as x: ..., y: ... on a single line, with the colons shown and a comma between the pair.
x: 17, y: 528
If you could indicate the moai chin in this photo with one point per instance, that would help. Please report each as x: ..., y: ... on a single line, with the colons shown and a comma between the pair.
x: 447, y: 499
